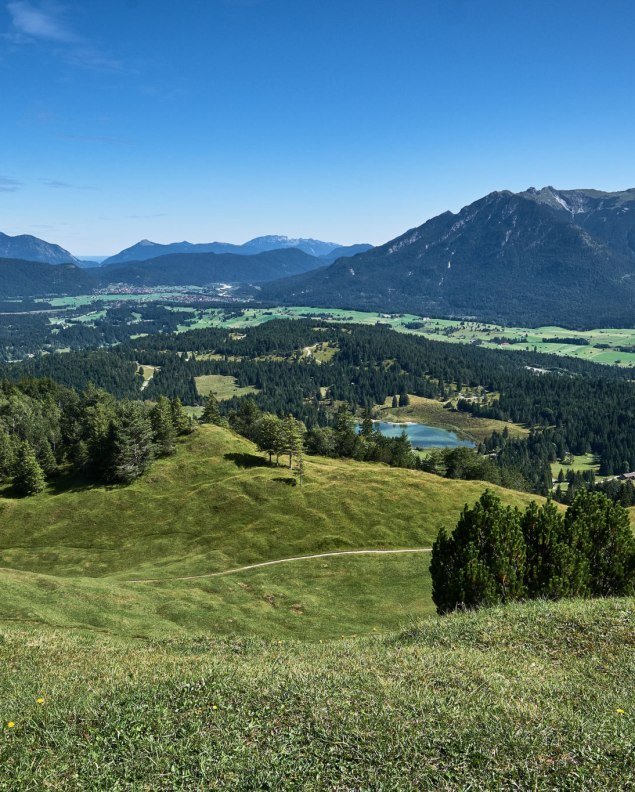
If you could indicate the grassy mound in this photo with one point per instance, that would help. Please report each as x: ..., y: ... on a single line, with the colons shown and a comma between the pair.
x: 536, y: 696
x: 69, y: 554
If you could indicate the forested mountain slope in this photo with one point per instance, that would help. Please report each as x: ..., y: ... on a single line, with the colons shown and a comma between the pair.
x: 539, y: 257
x: 199, y: 269
x: 19, y: 278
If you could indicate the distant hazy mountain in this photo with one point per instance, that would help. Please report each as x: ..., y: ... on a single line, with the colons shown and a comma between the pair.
x: 30, y: 248
x: 147, y: 250
x: 344, y: 252
x: 19, y: 278
x: 88, y: 262
x: 200, y: 269
x: 536, y: 257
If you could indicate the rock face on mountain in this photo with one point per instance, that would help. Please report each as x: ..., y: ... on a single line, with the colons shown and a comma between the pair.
x: 30, y: 248
x: 537, y: 257
x: 313, y: 247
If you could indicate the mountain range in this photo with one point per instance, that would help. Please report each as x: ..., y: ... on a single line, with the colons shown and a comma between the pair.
x: 542, y: 256
x: 535, y: 257
x: 201, y: 269
x: 327, y: 251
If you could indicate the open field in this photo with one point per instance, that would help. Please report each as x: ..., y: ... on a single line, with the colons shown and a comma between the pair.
x: 538, y: 696
x: 221, y: 386
x: 609, y: 346
x: 579, y: 464
x: 487, y: 335
x: 433, y: 413
x: 67, y: 555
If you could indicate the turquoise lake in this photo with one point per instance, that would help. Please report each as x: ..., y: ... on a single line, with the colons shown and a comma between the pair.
x: 422, y: 436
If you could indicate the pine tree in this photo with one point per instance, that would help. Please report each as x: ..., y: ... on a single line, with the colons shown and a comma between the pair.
x: 555, y: 565
x: 395, y: 401
x: 211, y: 412
x: 268, y: 434
x: 345, y: 435
x: 367, y: 424
x: 28, y: 478
x: 7, y: 453
x: 300, y: 468
x: 181, y: 421
x: 604, y: 530
x: 130, y: 443
x: 161, y: 416
x: 293, y: 432
x: 483, y: 562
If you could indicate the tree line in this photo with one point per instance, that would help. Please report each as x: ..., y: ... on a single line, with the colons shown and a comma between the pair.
x: 498, y: 554
x: 47, y: 430
x: 575, y: 406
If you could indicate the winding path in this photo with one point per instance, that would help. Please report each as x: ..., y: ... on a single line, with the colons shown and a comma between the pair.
x: 284, y: 561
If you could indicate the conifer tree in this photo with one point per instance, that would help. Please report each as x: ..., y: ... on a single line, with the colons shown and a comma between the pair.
x: 269, y: 436
x: 555, y: 565
x: 130, y: 443
x: 28, y: 478
x: 161, y: 416
x: 293, y: 432
x: 603, y: 528
x: 211, y: 412
x: 483, y: 562
x: 180, y: 419
x: 367, y: 424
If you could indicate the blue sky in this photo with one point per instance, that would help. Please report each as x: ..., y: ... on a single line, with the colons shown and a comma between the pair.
x: 347, y: 120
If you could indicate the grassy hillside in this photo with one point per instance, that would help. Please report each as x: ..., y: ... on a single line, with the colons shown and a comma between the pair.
x: 538, y: 696
x: 68, y: 555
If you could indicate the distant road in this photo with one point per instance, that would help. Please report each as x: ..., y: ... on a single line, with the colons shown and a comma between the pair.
x: 285, y: 561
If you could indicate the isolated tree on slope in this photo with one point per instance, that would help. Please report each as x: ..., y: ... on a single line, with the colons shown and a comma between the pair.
x: 268, y: 435
x: 293, y: 432
x: 28, y: 478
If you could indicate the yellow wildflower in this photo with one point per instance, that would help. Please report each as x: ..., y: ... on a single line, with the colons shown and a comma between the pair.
x: 40, y: 700
x: 620, y: 711
x: 10, y: 724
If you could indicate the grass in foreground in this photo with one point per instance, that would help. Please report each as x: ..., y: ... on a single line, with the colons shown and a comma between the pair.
x: 537, y: 696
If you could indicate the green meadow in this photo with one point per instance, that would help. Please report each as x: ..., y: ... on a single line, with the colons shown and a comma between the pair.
x: 68, y: 555
x: 609, y: 346
x: 147, y: 642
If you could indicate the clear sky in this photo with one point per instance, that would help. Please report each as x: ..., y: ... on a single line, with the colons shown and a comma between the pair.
x: 345, y: 120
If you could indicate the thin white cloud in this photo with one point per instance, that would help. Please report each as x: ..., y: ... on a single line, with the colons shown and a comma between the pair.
x: 62, y: 185
x: 9, y: 185
x: 43, y: 22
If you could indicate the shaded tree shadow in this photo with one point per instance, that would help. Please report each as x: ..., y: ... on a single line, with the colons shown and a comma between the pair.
x: 76, y: 483
x: 290, y: 482
x: 247, y: 460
